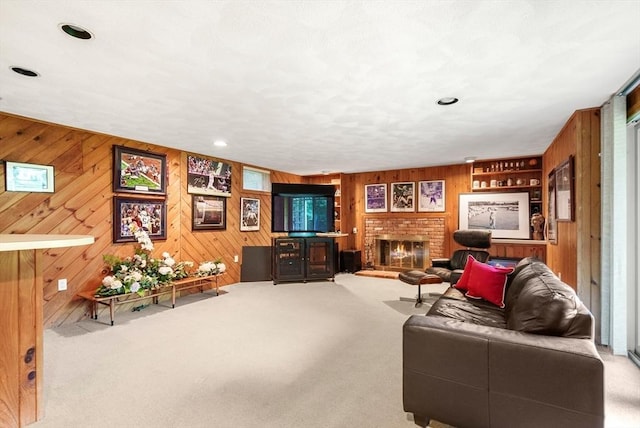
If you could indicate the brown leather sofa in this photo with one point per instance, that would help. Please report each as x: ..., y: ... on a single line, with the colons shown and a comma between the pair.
x: 469, y: 363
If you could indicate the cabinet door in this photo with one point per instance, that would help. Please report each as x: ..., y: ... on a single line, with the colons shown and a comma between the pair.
x: 288, y: 259
x: 319, y: 258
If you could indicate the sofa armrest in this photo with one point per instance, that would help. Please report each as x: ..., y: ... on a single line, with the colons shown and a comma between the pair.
x: 441, y: 262
x: 443, y: 367
x: 527, y: 379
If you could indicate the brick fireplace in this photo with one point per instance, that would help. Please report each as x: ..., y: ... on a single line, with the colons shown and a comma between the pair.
x: 431, y: 227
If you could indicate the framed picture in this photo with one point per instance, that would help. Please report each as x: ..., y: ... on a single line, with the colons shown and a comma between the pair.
x: 431, y: 197
x: 375, y: 196
x: 403, y: 197
x: 552, y: 227
x: 208, y: 177
x: 565, y: 206
x: 27, y: 177
x: 249, y: 214
x: 505, y: 214
x: 209, y: 212
x: 148, y: 214
x: 137, y: 171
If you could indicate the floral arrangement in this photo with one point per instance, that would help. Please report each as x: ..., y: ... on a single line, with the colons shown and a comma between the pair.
x: 142, y: 272
x: 211, y: 268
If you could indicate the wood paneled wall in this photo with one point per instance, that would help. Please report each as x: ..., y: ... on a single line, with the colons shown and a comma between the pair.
x: 576, y: 257
x: 457, y: 180
x: 82, y: 204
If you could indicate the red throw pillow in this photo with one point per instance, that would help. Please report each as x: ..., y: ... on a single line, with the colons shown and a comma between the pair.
x: 488, y: 282
x: 463, y: 281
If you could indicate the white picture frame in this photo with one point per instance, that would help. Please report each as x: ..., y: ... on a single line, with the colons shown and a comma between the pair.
x: 431, y: 196
x: 28, y: 177
x: 505, y: 214
x: 403, y: 196
x: 249, y: 214
x: 375, y: 197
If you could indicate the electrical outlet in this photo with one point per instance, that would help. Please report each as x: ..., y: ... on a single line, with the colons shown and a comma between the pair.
x: 355, y: 230
x: 62, y: 284
x: 235, y: 258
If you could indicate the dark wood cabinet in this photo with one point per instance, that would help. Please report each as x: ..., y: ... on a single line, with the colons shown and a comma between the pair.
x: 303, y: 259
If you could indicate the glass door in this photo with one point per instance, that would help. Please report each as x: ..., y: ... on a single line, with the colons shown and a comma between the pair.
x: 319, y: 258
x: 635, y: 279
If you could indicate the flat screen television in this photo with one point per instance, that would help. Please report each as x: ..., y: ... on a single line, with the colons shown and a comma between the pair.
x: 302, y: 209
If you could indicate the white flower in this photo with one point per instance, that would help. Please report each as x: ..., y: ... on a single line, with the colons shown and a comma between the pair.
x: 207, y: 267
x: 188, y: 263
x: 221, y: 267
x: 169, y: 261
x: 107, y: 281
x: 137, y: 276
x: 123, y: 268
x: 135, y: 287
x: 165, y: 270
x: 166, y: 255
x: 116, y: 284
x: 143, y: 263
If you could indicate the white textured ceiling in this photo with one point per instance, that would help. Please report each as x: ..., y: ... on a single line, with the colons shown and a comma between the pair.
x: 311, y: 86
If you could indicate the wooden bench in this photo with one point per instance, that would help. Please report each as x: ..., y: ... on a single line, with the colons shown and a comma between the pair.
x: 173, y: 289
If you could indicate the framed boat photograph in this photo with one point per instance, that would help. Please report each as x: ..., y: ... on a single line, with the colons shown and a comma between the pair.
x: 138, y: 171
x: 28, y: 177
x: 506, y: 215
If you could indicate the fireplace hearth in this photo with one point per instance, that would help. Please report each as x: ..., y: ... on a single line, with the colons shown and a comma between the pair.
x: 401, y: 252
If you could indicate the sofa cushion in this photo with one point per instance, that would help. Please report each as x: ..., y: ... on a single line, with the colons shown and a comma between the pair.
x: 463, y: 281
x: 453, y: 304
x: 539, y: 302
x: 488, y: 282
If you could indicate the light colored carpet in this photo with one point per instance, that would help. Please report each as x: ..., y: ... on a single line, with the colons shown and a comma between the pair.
x: 319, y: 354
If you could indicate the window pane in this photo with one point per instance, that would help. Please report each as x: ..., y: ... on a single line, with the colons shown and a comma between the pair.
x: 255, y: 179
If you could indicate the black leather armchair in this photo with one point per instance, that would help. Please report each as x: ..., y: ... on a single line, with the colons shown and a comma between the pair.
x: 476, y: 243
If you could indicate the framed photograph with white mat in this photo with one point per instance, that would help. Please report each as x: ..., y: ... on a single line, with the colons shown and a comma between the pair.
x: 505, y: 214
x: 403, y: 197
x: 250, y: 214
x: 375, y: 196
x: 431, y: 196
x: 28, y: 177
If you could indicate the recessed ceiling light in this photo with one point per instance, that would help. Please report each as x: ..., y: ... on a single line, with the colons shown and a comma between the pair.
x: 25, y: 71
x: 75, y: 31
x: 447, y: 101
x: 220, y: 143
x: 469, y: 159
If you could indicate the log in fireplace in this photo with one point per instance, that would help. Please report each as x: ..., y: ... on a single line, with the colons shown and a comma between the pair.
x: 401, y: 252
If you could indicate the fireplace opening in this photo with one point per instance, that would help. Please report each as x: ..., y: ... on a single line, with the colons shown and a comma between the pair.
x: 401, y: 252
